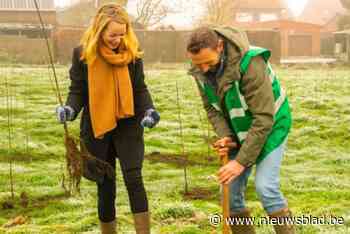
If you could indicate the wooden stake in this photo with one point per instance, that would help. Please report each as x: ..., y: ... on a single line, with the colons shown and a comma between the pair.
x: 225, y: 202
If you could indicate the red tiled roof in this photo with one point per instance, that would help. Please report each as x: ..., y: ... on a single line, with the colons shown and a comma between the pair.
x: 26, y: 4
x: 261, y: 4
x: 279, y: 24
x: 321, y: 11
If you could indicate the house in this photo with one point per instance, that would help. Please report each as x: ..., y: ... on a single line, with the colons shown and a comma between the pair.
x: 21, y: 34
x: 24, y: 12
x: 327, y: 14
x: 321, y: 11
x: 331, y: 25
x: 342, y: 48
x: 328, y: 36
x: 251, y: 11
x: 297, y: 38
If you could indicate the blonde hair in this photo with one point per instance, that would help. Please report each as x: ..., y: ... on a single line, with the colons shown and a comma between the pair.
x: 106, y: 14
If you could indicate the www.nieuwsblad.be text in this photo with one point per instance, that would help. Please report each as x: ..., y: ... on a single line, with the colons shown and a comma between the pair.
x: 217, y: 219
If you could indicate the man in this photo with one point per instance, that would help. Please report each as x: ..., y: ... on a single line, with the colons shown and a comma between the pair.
x: 249, y: 112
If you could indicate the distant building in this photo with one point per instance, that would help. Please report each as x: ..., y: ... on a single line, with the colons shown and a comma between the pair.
x: 321, y: 11
x: 19, y: 17
x: 21, y: 34
x: 251, y: 11
x: 342, y: 45
x: 332, y: 24
x: 325, y: 13
x: 297, y: 38
x: 24, y: 12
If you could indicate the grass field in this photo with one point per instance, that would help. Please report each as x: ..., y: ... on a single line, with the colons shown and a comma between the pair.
x: 315, y: 174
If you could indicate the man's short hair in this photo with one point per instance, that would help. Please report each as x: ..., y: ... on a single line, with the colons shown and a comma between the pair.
x: 201, y: 38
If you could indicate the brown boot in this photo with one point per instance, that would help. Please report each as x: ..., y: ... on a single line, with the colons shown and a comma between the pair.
x: 242, y: 228
x: 285, y: 226
x: 108, y: 228
x: 142, y: 223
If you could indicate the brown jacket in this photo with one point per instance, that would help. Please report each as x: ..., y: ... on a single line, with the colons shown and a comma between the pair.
x: 256, y: 89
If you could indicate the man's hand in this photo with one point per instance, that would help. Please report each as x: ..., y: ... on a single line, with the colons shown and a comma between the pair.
x: 230, y: 171
x: 224, y: 145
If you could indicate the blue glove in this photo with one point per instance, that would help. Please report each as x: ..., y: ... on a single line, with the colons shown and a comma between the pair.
x: 151, y: 118
x: 65, y: 113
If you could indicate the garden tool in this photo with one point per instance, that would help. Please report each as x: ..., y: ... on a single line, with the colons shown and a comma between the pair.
x: 226, y: 192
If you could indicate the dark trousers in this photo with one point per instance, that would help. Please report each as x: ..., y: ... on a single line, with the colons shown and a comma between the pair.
x: 107, y: 190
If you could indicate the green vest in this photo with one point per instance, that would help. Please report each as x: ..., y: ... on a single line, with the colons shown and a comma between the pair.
x: 237, y: 108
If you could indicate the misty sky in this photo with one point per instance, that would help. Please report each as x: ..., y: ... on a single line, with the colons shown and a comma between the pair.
x: 191, y: 10
x: 297, y: 5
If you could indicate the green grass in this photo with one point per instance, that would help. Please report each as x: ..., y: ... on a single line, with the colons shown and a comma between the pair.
x: 315, y: 172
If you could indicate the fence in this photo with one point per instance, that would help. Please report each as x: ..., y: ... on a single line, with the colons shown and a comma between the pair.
x: 23, y: 49
x: 162, y: 46
x: 159, y: 46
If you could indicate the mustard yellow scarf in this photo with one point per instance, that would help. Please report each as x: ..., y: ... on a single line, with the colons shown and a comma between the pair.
x: 110, y: 89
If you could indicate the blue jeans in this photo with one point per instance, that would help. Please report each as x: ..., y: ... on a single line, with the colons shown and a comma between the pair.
x: 267, y: 184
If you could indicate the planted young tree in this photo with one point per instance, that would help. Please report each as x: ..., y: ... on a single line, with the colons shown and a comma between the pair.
x: 181, y: 137
x: 203, y: 127
x: 25, y: 119
x: 208, y: 138
x: 9, y: 136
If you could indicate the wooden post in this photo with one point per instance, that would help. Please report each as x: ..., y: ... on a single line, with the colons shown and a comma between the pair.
x: 225, y: 202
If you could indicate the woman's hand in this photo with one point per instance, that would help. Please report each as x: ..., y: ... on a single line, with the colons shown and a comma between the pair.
x: 150, y: 119
x: 65, y: 113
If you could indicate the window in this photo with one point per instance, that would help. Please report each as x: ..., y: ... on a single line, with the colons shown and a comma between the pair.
x: 244, y: 17
x: 268, y: 16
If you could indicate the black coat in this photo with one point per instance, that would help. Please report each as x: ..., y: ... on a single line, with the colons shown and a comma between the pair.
x: 127, y: 137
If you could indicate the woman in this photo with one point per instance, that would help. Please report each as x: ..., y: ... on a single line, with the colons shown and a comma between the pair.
x: 107, y: 82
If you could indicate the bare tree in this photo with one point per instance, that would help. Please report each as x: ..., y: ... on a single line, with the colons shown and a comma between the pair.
x: 101, y: 2
x: 151, y: 12
x: 219, y: 12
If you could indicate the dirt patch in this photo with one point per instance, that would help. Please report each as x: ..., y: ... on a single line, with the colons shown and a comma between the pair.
x: 16, y: 158
x: 7, y: 205
x: 25, y: 201
x: 199, y: 194
x: 180, y: 160
x: 26, y: 158
x: 50, y: 197
x: 172, y: 159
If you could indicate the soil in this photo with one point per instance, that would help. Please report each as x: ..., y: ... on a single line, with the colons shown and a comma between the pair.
x: 199, y: 194
x: 178, y: 160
